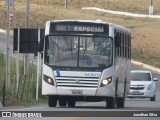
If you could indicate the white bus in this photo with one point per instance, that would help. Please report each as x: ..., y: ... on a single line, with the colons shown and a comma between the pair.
x: 86, y: 60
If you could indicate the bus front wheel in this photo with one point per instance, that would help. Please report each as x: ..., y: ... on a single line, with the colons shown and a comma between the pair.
x: 52, y: 101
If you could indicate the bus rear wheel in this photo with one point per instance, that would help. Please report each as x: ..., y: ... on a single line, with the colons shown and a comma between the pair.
x: 71, y: 103
x: 120, y: 102
x: 52, y: 101
x: 110, y: 102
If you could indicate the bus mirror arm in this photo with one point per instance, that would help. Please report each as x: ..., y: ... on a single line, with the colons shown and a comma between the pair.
x: 41, y: 44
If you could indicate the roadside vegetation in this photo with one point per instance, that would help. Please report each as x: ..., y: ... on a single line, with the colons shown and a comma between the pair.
x: 140, y: 56
x: 26, y: 93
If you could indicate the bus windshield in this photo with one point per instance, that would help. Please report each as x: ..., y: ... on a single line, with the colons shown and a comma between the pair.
x: 79, y: 51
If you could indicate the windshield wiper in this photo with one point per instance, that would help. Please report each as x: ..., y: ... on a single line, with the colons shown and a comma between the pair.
x: 90, y: 41
x: 69, y: 47
x: 88, y: 44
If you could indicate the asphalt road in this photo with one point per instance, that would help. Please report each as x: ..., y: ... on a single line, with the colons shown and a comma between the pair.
x: 95, y: 110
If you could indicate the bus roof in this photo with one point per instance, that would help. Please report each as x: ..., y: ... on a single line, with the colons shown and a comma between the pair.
x: 70, y: 20
x: 118, y: 27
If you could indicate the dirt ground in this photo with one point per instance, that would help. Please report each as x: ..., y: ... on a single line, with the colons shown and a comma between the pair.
x: 147, y: 37
x: 145, y: 31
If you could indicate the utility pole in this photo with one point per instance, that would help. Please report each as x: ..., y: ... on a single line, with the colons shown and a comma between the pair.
x: 17, y: 62
x: 151, y: 7
x: 65, y: 4
x: 38, y: 68
x: 17, y: 57
x: 14, y: 14
x: 8, y: 47
x: 26, y: 26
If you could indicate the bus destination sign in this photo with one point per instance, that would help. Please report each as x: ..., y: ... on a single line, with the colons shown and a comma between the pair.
x: 79, y: 28
x: 88, y: 29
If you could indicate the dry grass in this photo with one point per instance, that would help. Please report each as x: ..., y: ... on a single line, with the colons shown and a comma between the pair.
x: 140, y: 6
x: 145, y: 32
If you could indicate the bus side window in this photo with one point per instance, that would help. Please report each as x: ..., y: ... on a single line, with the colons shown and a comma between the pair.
x: 130, y: 47
x: 126, y: 48
x: 117, y: 40
x: 117, y: 44
x: 119, y: 47
x: 122, y: 45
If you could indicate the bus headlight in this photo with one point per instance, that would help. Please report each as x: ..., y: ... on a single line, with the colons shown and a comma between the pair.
x: 48, y: 80
x: 106, y: 81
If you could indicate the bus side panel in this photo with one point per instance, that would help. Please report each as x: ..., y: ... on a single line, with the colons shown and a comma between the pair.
x: 122, y: 62
x: 121, y: 74
x: 128, y: 77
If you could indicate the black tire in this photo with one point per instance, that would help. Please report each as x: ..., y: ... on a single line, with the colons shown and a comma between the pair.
x: 110, y: 102
x: 62, y: 101
x: 52, y: 101
x: 120, y: 102
x: 71, y: 103
x: 153, y: 98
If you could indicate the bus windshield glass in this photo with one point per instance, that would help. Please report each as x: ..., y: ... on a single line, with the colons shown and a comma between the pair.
x: 79, y: 51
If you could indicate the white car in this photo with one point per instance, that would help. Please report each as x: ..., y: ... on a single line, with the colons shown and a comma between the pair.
x: 142, y: 85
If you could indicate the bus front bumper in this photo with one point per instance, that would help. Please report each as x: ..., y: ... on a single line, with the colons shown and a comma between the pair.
x: 85, y: 91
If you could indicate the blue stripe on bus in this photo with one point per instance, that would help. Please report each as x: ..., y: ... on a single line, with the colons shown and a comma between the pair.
x: 58, y: 73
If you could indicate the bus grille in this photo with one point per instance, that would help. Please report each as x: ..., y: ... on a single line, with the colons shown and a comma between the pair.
x: 77, y: 82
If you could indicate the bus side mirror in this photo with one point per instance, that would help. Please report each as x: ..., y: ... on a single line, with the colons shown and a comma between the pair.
x: 36, y: 54
x: 41, y: 44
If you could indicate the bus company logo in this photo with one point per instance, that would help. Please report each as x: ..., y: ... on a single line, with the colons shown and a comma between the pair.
x: 92, y: 74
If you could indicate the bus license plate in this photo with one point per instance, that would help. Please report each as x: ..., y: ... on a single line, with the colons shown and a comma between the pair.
x: 77, y: 92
